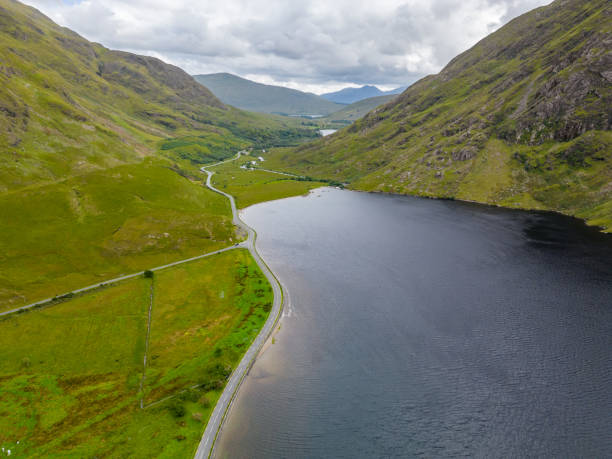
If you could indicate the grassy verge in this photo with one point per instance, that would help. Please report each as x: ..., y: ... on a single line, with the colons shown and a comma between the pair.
x: 71, y: 373
x: 253, y: 186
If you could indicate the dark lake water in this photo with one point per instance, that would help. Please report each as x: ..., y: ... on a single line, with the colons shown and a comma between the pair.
x: 421, y: 328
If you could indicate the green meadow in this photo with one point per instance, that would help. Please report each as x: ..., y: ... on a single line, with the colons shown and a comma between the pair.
x: 72, y: 373
x: 253, y: 186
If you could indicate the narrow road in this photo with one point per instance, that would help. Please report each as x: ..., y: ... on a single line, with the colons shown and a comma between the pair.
x: 205, y: 448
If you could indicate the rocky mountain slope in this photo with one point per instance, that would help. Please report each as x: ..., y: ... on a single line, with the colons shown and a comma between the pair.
x: 264, y: 98
x: 522, y: 119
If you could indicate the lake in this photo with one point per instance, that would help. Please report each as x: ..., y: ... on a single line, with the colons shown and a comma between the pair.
x: 424, y: 328
x: 326, y: 132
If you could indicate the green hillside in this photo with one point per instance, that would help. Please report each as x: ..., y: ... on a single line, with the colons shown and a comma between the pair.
x: 357, y: 110
x: 522, y: 119
x: 68, y: 106
x: 72, y: 378
x: 263, y: 98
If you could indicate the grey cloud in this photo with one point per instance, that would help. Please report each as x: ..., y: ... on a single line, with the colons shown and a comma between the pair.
x: 314, y: 43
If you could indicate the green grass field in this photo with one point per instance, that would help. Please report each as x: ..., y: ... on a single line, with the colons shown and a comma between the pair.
x: 71, y: 373
x: 86, y: 229
x: 253, y: 186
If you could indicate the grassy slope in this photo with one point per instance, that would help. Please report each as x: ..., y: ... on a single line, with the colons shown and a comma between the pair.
x: 253, y: 186
x: 258, y: 97
x: 58, y: 401
x: 96, y: 226
x: 522, y: 119
x: 98, y: 154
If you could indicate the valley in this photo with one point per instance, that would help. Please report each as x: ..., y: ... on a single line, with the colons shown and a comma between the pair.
x: 182, y: 271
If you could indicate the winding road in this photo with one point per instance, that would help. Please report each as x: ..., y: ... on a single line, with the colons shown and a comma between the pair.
x: 205, y: 448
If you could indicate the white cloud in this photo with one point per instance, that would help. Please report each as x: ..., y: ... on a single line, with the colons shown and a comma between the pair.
x: 315, y: 45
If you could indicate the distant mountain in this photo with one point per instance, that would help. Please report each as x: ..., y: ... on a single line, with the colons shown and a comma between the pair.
x: 522, y: 119
x: 395, y: 91
x: 263, y: 98
x: 352, y: 95
x: 357, y: 110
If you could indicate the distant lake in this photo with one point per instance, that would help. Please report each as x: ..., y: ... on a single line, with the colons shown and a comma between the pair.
x: 325, y: 132
x: 423, y: 328
x: 307, y: 116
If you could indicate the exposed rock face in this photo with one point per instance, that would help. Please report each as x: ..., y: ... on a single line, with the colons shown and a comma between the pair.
x: 575, y: 98
x: 464, y: 154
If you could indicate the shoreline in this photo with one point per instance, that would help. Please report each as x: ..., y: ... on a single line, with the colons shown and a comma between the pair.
x: 218, y: 416
x: 599, y: 228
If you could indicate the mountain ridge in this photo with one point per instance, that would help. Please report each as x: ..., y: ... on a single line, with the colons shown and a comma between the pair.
x: 357, y: 110
x: 522, y: 119
x: 250, y: 95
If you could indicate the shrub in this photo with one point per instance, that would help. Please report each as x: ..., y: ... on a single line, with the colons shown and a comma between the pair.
x: 176, y: 408
x: 148, y: 274
x: 190, y: 395
x: 204, y: 401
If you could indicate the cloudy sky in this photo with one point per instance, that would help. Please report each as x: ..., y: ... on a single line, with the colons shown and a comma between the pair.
x: 313, y: 45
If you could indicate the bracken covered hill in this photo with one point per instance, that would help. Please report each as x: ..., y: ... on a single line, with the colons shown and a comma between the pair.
x: 522, y: 119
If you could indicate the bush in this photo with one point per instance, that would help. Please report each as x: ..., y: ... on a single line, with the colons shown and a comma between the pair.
x: 215, y: 376
x: 190, y: 395
x: 204, y: 401
x: 177, y: 409
x: 148, y: 274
